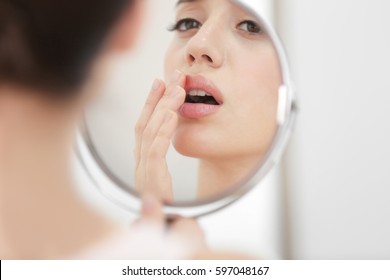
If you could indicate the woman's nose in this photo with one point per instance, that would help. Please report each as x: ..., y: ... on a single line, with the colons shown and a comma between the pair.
x: 206, y: 47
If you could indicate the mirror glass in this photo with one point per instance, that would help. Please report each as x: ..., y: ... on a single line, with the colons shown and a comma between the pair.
x: 235, y: 110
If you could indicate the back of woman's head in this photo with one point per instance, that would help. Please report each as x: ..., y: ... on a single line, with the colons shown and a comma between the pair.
x: 51, y: 44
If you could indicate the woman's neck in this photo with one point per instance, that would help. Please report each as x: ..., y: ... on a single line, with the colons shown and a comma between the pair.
x: 41, y: 217
x: 215, y: 176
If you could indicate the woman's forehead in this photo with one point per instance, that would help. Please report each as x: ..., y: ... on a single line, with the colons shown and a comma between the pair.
x: 185, y: 1
x: 230, y: 2
x: 237, y: 7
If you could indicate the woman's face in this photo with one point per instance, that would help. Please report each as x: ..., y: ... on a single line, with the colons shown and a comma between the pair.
x: 226, y: 56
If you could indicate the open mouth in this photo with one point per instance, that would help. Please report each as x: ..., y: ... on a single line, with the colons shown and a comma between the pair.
x: 200, y: 97
x: 203, y: 98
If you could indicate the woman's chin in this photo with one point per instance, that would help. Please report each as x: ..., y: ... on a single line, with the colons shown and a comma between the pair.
x: 200, y: 146
x: 187, y: 149
x: 194, y: 146
x: 194, y: 140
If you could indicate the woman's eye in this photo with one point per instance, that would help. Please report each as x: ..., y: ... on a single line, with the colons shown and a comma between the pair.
x: 249, y: 26
x: 185, y: 25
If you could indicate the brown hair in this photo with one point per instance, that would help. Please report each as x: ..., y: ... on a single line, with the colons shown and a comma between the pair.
x: 52, y: 43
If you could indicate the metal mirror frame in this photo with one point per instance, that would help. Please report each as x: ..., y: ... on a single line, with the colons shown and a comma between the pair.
x: 118, y: 192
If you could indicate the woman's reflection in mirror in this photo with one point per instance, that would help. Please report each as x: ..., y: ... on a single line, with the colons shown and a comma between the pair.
x: 224, y: 66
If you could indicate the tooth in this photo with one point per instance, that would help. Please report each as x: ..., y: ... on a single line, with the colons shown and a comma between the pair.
x: 193, y: 93
x: 201, y: 93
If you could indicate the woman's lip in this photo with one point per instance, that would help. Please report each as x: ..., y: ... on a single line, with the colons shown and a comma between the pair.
x: 199, y: 82
x: 197, y: 110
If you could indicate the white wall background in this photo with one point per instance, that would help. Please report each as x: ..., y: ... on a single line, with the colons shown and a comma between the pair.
x: 252, y: 225
x: 338, y: 167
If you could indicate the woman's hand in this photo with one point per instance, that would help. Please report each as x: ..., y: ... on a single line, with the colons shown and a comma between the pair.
x: 181, y: 238
x: 153, y: 133
x: 150, y: 237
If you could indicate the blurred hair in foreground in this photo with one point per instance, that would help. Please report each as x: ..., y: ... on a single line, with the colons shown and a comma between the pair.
x: 49, y: 44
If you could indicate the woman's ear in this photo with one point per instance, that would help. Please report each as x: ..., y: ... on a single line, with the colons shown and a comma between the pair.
x: 125, y: 32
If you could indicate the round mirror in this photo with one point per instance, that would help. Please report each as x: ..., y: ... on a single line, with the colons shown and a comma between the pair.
x: 233, y: 124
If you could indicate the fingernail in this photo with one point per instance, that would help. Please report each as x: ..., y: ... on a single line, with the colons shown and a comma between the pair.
x: 156, y: 84
x: 176, y: 91
x: 176, y: 76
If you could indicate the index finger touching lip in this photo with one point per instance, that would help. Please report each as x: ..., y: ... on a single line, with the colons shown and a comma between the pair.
x: 178, y: 78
